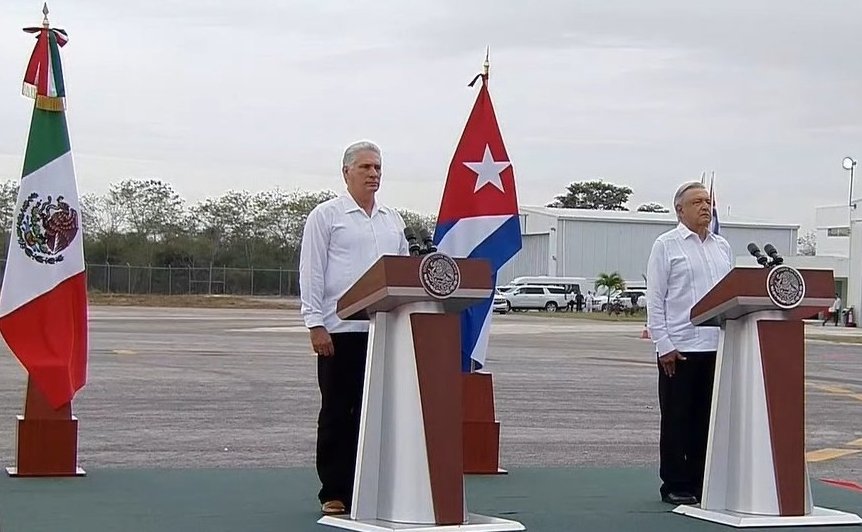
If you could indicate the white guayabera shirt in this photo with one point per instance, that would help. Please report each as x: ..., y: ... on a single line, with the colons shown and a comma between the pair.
x: 681, y: 270
x: 339, y: 243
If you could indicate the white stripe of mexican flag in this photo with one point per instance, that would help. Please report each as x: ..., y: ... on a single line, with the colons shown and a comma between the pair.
x: 26, y: 278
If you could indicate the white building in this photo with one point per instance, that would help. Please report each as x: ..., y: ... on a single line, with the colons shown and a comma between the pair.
x: 586, y: 243
x: 832, y: 227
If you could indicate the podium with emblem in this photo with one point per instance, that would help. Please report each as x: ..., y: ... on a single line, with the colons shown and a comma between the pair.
x: 409, y: 466
x: 756, y: 474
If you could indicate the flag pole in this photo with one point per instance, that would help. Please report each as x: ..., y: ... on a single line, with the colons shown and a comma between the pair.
x: 47, y: 434
x: 486, y: 68
x: 481, y: 430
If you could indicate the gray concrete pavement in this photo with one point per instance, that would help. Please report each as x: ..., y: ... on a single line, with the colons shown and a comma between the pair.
x: 237, y: 388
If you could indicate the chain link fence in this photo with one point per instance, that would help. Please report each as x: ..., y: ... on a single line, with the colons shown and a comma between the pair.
x: 128, y: 279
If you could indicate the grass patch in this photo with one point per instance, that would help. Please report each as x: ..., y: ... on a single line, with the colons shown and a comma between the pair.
x: 189, y: 301
x: 591, y: 316
x: 838, y: 339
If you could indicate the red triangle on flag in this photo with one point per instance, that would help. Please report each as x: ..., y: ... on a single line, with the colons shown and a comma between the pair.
x: 479, y: 169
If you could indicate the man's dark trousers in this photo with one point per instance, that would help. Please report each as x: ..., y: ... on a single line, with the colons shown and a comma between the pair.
x: 685, y: 401
x: 340, y: 378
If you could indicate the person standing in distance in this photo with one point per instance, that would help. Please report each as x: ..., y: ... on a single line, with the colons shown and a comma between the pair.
x: 342, y: 238
x: 685, y: 263
x: 834, y: 311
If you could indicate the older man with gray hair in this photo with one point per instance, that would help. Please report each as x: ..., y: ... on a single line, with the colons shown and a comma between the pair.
x: 685, y: 263
x: 342, y: 238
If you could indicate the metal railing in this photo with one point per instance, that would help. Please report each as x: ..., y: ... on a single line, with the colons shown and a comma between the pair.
x: 130, y: 279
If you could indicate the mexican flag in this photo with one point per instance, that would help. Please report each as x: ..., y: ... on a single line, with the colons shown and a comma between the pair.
x: 43, y: 299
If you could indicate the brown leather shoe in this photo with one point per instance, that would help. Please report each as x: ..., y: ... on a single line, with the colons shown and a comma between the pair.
x: 333, y: 508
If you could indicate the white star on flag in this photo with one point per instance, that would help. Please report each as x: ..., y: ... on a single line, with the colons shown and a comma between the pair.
x: 488, y: 171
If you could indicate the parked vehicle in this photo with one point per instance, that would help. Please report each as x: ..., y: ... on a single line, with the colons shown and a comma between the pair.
x: 500, y: 304
x: 600, y: 302
x: 568, y: 283
x: 526, y: 297
x: 626, y: 296
x: 623, y: 299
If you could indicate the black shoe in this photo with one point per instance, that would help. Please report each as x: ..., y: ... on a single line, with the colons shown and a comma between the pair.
x: 679, y: 497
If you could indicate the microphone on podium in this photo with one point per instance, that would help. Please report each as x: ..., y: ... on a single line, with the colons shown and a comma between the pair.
x: 773, y: 253
x: 757, y: 254
x: 427, y: 242
x: 413, y: 245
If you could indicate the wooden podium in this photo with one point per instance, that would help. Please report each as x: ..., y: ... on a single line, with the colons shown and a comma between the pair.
x: 756, y: 474
x: 409, y: 465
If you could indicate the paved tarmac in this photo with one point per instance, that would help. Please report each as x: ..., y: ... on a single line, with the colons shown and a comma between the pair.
x: 184, y: 388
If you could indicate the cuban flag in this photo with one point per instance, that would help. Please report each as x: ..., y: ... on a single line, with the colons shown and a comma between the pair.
x: 714, y: 226
x: 478, y: 215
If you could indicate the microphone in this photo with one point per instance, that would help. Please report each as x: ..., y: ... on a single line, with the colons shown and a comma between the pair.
x: 757, y: 254
x: 414, y: 247
x: 427, y: 241
x: 773, y: 253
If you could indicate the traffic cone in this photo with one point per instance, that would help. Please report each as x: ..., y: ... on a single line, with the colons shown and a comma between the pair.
x: 645, y: 333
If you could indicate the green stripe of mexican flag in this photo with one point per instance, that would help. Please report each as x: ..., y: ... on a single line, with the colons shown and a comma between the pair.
x: 57, y: 88
x: 49, y: 140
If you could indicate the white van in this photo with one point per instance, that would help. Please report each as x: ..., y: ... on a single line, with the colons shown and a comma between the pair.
x: 569, y: 283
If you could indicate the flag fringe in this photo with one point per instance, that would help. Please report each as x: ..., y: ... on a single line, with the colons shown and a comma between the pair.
x: 50, y: 103
x: 29, y: 90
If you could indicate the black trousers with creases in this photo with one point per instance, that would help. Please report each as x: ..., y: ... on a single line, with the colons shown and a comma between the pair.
x: 340, y: 378
x: 685, y: 401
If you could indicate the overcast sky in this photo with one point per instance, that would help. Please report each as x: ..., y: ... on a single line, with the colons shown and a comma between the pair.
x: 212, y: 95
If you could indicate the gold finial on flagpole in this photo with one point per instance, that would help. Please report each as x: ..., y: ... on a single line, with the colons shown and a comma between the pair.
x: 45, y: 14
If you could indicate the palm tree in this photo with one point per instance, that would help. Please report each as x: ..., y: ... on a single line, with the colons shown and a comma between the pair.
x: 613, y: 282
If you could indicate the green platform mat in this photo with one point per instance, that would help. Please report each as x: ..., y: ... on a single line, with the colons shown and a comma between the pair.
x: 281, y: 500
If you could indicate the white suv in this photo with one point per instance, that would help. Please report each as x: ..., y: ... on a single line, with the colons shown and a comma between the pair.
x: 500, y: 304
x: 524, y: 297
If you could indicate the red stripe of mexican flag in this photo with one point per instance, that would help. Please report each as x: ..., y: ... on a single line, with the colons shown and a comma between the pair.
x: 43, y: 299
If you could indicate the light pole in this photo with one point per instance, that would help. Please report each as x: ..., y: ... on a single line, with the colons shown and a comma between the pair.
x: 854, y: 291
x: 849, y: 163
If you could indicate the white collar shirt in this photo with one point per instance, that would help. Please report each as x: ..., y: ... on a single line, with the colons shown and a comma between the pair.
x: 340, y: 242
x: 681, y: 270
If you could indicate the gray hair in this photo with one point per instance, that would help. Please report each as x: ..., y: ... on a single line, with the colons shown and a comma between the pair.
x: 352, y: 150
x: 680, y: 192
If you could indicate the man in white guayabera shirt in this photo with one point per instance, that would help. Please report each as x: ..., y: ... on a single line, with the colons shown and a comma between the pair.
x: 685, y: 263
x: 342, y: 238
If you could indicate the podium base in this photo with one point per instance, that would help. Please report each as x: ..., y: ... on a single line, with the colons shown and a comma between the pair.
x: 499, y: 471
x: 47, y: 447
x: 819, y: 516
x: 13, y: 472
x: 476, y: 523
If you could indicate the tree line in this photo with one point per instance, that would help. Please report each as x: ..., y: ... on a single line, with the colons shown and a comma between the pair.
x: 600, y: 195
x: 146, y: 222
